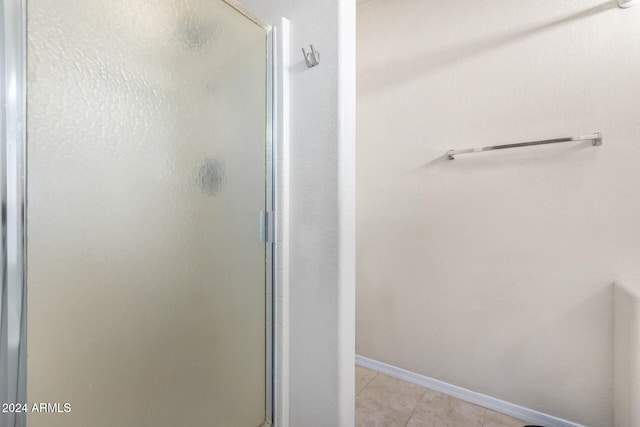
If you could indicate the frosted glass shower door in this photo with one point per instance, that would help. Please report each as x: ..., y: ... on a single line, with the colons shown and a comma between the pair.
x: 147, y: 172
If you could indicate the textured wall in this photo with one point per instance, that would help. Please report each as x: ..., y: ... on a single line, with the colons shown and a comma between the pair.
x: 493, y: 272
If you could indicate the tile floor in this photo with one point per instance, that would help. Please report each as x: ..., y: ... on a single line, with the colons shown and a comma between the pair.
x: 384, y: 401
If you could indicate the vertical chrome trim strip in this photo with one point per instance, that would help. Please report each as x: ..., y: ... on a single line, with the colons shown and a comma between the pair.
x: 271, y: 168
x: 13, y: 191
x: 270, y: 194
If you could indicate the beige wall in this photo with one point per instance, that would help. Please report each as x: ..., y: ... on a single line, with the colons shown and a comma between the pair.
x: 493, y: 272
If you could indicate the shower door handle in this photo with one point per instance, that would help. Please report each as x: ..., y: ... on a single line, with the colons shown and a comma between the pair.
x: 266, y: 226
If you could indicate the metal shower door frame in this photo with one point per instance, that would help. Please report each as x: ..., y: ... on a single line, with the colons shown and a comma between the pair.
x: 13, y: 193
x: 270, y: 207
x: 13, y: 184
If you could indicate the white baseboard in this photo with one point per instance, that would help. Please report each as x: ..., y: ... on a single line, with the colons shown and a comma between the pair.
x: 525, y: 414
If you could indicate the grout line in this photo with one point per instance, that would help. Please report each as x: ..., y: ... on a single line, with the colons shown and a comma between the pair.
x: 416, y: 407
x: 484, y: 416
x: 368, y: 382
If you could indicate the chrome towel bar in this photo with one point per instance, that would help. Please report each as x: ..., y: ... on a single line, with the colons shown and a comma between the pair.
x: 595, y: 138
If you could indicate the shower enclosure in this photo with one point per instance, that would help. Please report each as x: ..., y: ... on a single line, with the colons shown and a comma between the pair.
x: 137, y: 194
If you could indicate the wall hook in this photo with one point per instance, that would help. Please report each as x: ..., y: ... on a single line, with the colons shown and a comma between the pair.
x: 312, y: 58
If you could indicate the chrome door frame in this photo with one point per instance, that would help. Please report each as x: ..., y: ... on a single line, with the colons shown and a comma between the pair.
x: 270, y: 207
x: 13, y: 193
x: 13, y: 184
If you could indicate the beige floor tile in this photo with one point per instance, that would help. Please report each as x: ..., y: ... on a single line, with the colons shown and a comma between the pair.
x: 370, y: 413
x: 439, y: 410
x: 417, y: 422
x: 393, y: 393
x: 496, y: 419
x: 363, y: 377
x: 384, y: 401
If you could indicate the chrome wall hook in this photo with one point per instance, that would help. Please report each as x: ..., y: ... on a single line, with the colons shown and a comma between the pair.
x: 312, y: 58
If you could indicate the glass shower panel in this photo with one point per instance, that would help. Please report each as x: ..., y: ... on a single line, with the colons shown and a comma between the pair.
x: 146, y: 175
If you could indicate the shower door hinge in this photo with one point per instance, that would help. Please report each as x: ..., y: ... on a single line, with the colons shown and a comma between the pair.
x: 266, y: 226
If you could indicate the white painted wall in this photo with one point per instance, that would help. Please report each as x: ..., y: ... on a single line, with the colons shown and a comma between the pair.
x: 322, y: 209
x: 626, y: 354
x: 493, y: 272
